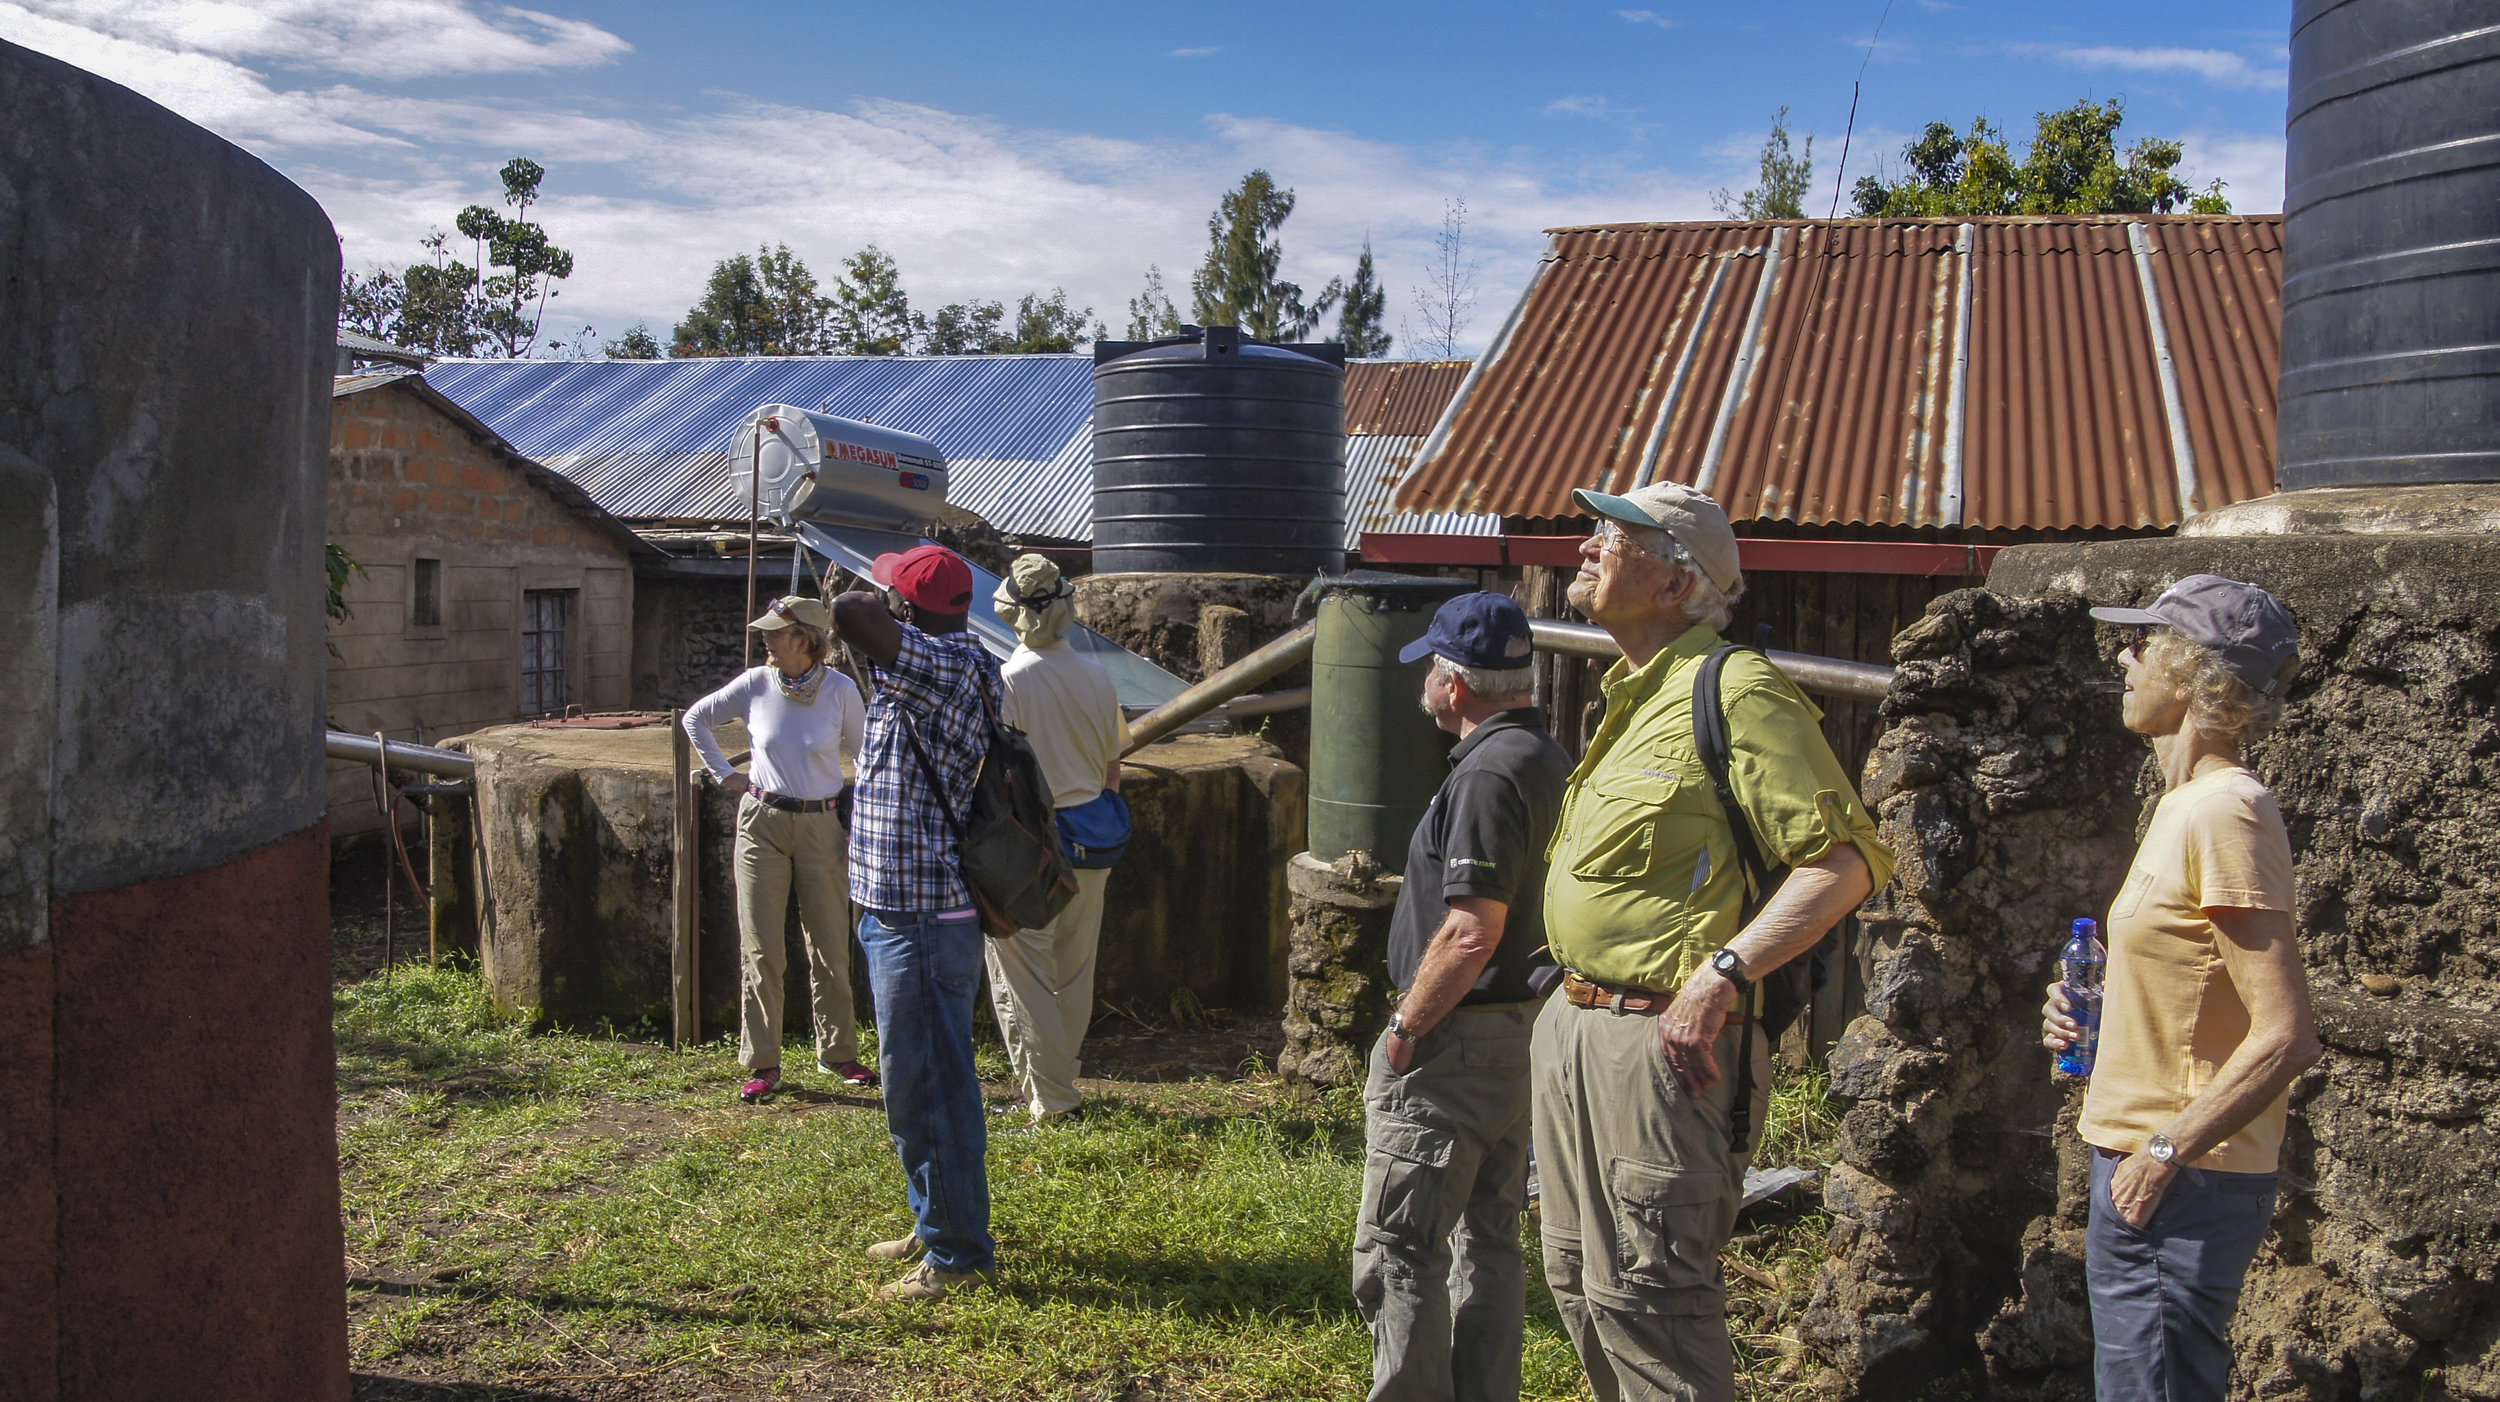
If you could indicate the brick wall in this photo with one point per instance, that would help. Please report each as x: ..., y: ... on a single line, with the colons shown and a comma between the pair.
x: 407, y: 482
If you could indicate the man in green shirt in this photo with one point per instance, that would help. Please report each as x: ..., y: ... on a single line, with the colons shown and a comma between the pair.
x: 1645, y: 900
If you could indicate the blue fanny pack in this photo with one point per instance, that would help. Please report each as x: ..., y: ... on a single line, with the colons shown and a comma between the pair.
x: 1094, y: 832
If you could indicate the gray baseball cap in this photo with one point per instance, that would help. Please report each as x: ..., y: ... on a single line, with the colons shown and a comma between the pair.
x: 1690, y: 516
x: 2249, y: 627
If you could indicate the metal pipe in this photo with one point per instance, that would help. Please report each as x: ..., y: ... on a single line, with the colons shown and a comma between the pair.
x: 1236, y: 680
x: 1267, y: 703
x: 1824, y: 676
x: 404, y: 756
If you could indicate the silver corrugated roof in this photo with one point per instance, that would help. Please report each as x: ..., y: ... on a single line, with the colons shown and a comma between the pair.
x: 650, y: 439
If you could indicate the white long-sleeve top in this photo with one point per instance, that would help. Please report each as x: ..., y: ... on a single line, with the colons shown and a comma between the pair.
x: 798, y: 750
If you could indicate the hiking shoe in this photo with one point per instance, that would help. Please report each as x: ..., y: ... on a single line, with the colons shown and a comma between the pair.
x: 850, y: 1073
x: 906, y: 1249
x: 760, y: 1086
x: 926, y: 1282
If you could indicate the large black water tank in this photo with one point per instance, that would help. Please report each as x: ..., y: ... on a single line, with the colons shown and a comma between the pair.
x: 1213, y: 452
x: 2391, y: 245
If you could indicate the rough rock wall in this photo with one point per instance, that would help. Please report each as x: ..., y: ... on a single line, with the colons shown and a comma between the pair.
x: 2006, y: 787
x: 1340, y: 998
x: 2383, y: 1277
x: 1160, y: 616
x: 689, y: 637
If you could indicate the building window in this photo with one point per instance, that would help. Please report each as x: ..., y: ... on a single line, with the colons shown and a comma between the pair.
x: 542, y: 650
x: 426, y: 594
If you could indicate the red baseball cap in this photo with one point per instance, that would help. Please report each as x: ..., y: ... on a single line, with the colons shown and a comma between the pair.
x: 929, y: 576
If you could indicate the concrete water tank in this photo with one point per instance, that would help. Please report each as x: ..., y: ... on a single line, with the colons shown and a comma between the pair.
x: 169, y: 1193
x: 1218, y: 454
x: 2391, y: 245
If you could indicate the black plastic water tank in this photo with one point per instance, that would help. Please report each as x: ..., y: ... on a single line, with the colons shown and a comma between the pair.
x: 1213, y: 452
x: 2391, y: 245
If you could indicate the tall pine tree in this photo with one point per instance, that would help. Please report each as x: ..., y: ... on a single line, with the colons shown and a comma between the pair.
x: 1359, y: 315
x: 1238, y: 284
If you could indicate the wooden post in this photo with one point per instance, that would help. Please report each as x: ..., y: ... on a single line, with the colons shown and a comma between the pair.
x: 684, y: 892
x: 453, y: 928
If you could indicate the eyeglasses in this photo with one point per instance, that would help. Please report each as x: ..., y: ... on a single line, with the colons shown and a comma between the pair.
x: 1613, y: 536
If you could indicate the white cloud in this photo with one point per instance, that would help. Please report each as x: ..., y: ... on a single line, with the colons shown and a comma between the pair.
x: 1209, y: 52
x: 969, y: 207
x: 368, y: 38
x: 2220, y: 67
x: 2249, y: 164
x: 1646, y: 17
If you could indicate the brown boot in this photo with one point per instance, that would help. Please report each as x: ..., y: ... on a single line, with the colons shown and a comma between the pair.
x: 926, y: 1282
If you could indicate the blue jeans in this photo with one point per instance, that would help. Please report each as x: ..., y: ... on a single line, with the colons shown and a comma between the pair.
x: 923, y: 972
x: 2162, y: 1294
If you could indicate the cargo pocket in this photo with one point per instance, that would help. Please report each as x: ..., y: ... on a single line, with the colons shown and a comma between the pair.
x: 1619, y: 813
x: 1402, y: 1180
x: 1668, y: 1226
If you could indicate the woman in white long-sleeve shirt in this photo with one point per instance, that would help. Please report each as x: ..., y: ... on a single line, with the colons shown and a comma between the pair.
x: 802, y: 718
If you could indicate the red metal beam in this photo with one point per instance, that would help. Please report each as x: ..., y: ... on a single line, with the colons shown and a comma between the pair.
x: 1780, y: 556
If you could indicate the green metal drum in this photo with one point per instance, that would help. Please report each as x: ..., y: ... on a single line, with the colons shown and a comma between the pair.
x: 1376, y: 758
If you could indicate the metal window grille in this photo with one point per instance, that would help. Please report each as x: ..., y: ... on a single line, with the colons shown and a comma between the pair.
x: 542, y: 650
x: 426, y: 594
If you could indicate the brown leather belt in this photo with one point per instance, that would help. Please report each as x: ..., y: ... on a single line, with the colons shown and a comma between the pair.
x: 1589, y: 993
x: 792, y: 805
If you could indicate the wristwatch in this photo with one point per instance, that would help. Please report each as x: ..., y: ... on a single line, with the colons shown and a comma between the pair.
x: 1397, y: 1029
x: 2162, y: 1151
x: 1733, y: 970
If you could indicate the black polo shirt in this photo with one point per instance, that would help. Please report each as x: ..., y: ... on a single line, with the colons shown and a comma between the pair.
x: 1485, y: 835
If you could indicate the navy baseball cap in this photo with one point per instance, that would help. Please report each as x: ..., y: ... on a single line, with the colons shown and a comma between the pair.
x: 1483, y: 629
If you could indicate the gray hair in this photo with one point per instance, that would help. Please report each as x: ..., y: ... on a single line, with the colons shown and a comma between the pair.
x: 1708, y: 604
x: 1499, y: 686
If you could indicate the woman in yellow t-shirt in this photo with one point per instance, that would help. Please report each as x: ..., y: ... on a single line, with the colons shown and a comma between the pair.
x: 2205, y: 1014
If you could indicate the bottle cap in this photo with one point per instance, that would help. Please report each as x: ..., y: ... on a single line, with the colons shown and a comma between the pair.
x: 2086, y: 927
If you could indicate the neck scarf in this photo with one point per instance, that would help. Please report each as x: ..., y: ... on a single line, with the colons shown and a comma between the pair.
x: 803, y: 687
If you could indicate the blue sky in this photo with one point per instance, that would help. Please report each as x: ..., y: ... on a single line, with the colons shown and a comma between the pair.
x: 1000, y: 149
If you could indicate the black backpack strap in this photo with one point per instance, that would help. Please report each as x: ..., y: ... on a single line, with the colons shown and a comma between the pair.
x: 928, y: 774
x: 1710, y: 736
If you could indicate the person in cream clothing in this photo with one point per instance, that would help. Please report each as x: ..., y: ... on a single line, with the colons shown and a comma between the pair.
x: 2205, y: 1015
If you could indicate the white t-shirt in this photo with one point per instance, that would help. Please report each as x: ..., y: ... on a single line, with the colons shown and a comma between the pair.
x: 799, y: 749
x: 1067, y: 707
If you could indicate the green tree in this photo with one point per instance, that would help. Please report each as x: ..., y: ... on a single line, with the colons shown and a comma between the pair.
x: 1151, y: 314
x: 636, y: 344
x: 2073, y: 166
x: 871, y: 314
x: 967, y: 328
x: 1359, y: 312
x: 761, y: 305
x: 1779, y: 190
x: 1238, y: 284
x: 1050, y: 324
x: 509, y: 307
x: 336, y: 566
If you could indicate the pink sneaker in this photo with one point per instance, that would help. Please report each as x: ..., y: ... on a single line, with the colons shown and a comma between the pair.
x: 851, y: 1073
x: 761, y: 1085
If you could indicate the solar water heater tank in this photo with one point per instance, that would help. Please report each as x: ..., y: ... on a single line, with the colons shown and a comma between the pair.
x: 837, y: 472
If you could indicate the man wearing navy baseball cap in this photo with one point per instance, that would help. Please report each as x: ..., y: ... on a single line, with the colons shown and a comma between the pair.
x: 1448, y: 1124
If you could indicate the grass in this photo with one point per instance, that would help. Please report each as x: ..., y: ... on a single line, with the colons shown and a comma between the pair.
x: 599, y: 1217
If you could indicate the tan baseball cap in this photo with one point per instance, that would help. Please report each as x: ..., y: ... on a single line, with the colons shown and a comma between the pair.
x: 1690, y: 516
x: 795, y: 608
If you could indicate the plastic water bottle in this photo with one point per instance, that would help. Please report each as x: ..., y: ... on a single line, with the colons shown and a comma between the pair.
x: 2081, y: 962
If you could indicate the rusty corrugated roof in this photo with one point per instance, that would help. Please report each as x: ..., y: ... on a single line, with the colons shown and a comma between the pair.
x: 2043, y: 373
x: 1403, y: 398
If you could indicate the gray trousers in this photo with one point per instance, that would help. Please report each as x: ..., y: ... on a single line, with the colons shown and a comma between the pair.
x: 1640, y: 1191
x: 2162, y: 1294
x: 1445, y: 1180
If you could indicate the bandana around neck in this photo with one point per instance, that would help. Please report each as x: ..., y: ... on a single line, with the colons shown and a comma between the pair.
x: 803, y: 687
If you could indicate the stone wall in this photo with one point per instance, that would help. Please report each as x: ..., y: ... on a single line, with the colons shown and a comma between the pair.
x: 1958, y: 1203
x: 578, y: 867
x: 690, y: 635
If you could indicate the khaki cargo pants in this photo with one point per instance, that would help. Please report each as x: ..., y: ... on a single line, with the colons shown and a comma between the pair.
x: 1639, y: 1190
x: 777, y: 850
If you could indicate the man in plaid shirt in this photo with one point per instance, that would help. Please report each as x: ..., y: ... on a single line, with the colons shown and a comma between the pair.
x: 936, y: 690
